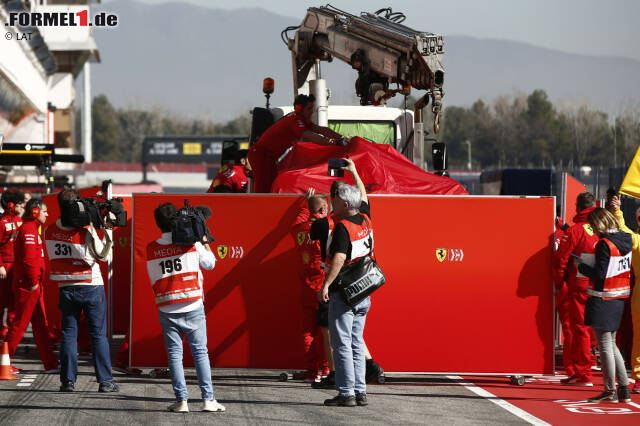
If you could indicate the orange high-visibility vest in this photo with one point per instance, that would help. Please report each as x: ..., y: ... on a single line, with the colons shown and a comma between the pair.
x: 174, y: 273
x: 67, y: 251
x: 617, y: 282
x: 361, y: 237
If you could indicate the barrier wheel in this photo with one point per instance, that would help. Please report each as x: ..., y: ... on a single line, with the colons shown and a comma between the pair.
x: 381, y: 380
x: 517, y: 380
x: 283, y: 377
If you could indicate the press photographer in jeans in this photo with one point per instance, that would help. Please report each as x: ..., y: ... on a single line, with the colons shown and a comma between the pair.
x: 176, y: 278
x: 352, y: 240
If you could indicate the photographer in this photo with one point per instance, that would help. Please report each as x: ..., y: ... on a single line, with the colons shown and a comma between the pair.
x: 176, y: 278
x: 352, y: 240
x: 74, y: 253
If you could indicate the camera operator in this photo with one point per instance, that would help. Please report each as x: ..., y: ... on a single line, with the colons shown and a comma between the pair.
x: 283, y: 134
x: 74, y: 254
x: 176, y: 278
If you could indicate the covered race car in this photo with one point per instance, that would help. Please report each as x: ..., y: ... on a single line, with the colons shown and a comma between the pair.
x: 382, y: 169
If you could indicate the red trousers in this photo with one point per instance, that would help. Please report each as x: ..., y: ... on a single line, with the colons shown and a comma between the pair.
x: 122, y: 360
x: 562, y: 305
x: 6, y: 299
x: 29, y: 307
x: 580, y: 354
x: 312, y: 342
x: 264, y: 170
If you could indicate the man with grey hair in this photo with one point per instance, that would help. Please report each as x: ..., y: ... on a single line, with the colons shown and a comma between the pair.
x: 352, y: 240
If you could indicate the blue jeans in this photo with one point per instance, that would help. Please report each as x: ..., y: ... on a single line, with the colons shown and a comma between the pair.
x: 194, y: 327
x: 72, y: 301
x: 346, y: 328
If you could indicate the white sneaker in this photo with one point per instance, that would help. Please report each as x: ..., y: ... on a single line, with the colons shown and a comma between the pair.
x: 179, y: 407
x: 212, y: 406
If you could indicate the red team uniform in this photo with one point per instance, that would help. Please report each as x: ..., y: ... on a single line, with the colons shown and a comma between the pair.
x: 233, y: 177
x: 29, y: 304
x: 312, y: 276
x: 271, y: 145
x: 9, y: 224
x: 579, y: 240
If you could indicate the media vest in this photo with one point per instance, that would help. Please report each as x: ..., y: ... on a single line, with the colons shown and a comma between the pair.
x: 617, y: 282
x: 361, y: 237
x: 68, y: 253
x: 174, y: 272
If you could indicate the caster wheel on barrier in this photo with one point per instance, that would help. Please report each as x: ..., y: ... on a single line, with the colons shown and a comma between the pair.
x: 283, y: 377
x: 381, y: 380
x: 517, y: 380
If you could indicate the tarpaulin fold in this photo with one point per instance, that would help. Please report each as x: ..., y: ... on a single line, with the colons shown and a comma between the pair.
x: 382, y: 169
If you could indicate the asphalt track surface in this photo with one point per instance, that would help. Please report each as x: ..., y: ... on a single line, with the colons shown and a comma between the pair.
x: 258, y: 397
x: 250, y: 396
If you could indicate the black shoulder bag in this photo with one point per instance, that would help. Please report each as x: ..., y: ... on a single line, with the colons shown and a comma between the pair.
x: 360, y: 279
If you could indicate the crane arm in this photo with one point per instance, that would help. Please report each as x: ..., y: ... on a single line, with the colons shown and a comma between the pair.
x: 380, y: 48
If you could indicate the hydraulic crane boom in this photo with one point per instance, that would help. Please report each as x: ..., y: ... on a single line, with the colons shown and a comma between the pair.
x: 381, y: 49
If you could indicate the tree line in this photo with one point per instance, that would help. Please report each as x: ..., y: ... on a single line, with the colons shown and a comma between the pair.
x: 512, y: 131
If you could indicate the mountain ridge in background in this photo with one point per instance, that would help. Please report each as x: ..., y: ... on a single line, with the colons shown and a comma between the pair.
x: 210, y: 63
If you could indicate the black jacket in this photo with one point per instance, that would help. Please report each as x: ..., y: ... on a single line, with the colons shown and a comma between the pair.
x: 605, y: 314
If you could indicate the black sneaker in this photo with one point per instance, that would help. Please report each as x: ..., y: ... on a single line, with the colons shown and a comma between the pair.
x: 108, y: 387
x: 373, y: 371
x: 67, y: 387
x: 624, y: 395
x: 341, y: 401
x: 361, y: 399
x: 328, y: 382
x: 606, y: 396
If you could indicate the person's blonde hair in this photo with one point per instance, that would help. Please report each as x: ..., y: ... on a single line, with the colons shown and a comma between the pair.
x: 602, y: 221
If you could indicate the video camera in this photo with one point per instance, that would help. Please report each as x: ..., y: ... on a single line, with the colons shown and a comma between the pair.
x: 190, y: 226
x: 96, y: 210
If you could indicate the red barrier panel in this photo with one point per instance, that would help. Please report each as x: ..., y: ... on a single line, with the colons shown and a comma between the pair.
x: 121, y: 269
x: 469, y: 286
x: 574, y: 188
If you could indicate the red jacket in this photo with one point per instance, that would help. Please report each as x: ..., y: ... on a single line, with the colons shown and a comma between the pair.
x: 9, y: 224
x: 234, y: 177
x: 579, y: 239
x: 28, y: 251
x: 282, y: 135
x: 310, y: 261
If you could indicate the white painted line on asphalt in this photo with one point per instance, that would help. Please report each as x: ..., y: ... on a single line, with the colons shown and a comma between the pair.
x: 30, y: 376
x: 24, y: 384
x: 634, y: 404
x: 500, y: 402
x: 27, y: 380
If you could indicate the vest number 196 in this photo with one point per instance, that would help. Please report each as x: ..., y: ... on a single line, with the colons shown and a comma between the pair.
x: 168, y: 266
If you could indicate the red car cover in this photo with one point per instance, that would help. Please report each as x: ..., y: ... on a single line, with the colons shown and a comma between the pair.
x: 382, y: 169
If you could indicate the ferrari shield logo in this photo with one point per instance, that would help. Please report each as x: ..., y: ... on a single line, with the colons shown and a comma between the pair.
x: 122, y: 241
x: 222, y: 251
x: 441, y: 254
x: 301, y: 237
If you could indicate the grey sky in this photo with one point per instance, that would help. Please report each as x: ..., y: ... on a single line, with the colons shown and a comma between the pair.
x: 591, y: 27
